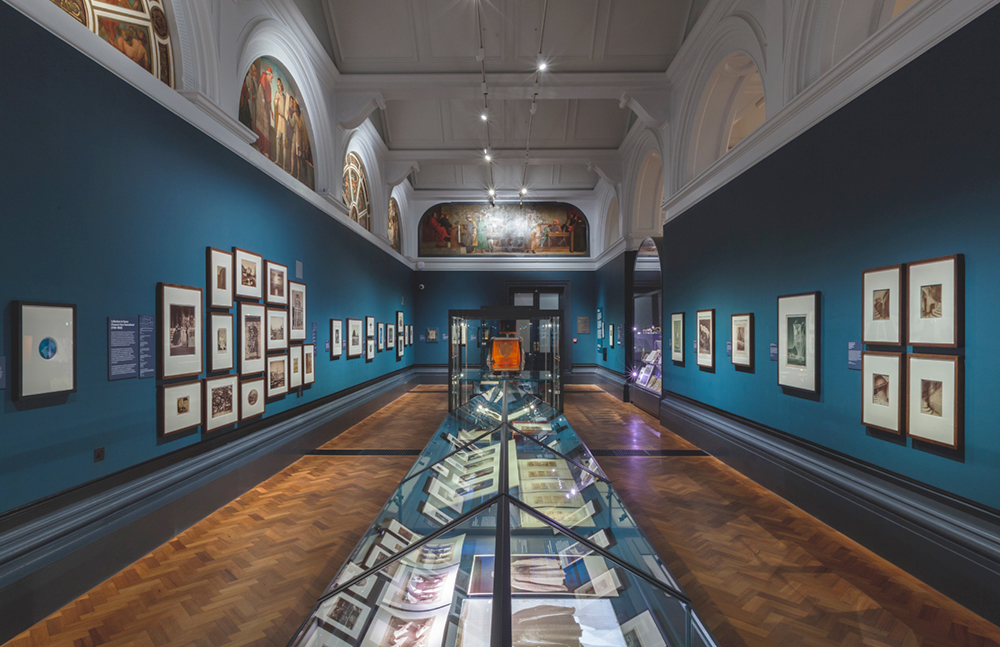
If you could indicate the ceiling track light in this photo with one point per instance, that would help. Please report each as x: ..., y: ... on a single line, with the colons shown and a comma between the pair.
x: 488, y: 158
x: 492, y: 192
x: 524, y: 190
x: 542, y: 66
x: 483, y: 116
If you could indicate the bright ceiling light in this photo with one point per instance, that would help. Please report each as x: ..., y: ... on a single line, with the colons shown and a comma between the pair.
x: 492, y: 192
x: 542, y: 66
x: 483, y: 116
x: 524, y: 190
x: 488, y: 158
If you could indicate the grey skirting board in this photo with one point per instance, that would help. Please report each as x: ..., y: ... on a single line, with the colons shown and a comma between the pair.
x: 950, y: 543
x: 615, y: 383
x: 55, y: 555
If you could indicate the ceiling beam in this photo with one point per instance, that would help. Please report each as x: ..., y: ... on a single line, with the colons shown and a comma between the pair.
x: 555, y: 85
x: 580, y: 156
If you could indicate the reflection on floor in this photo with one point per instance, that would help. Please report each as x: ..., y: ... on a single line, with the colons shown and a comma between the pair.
x: 760, y: 571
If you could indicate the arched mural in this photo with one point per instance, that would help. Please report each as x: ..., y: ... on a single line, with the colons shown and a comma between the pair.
x: 136, y: 28
x: 481, y: 229
x: 394, y: 232
x: 357, y: 197
x: 271, y: 106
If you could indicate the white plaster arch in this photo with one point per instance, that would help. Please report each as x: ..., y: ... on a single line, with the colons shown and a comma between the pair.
x: 732, y: 54
x: 401, y: 192
x: 361, y: 142
x: 612, y: 223
x: 643, y: 189
x: 196, y: 63
x: 269, y: 37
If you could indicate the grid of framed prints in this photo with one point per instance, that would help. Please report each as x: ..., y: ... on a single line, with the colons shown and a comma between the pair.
x: 798, y: 341
x: 916, y: 304
x: 336, y: 338
x: 677, y: 337
x: 742, y: 339
x: 705, y: 320
x: 355, y: 338
x: 44, y: 350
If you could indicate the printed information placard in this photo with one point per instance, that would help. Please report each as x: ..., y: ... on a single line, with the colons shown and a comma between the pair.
x: 123, y: 348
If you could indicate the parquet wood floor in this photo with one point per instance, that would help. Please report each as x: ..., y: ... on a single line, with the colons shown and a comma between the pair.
x: 760, y: 571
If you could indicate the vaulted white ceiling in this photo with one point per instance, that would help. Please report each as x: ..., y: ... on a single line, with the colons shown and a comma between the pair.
x: 421, y: 56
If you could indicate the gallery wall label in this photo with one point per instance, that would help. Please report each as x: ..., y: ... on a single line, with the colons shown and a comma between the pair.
x: 123, y: 348
x: 774, y: 351
x: 854, y: 349
x: 729, y: 349
x: 147, y: 346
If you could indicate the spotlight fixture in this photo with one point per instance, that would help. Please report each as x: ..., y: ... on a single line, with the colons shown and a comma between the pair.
x: 542, y: 66
x: 492, y: 192
x: 483, y: 116
x: 524, y: 190
x: 488, y: 158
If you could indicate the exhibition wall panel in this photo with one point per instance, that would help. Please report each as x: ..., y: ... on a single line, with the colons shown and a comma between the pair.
x: 106, y: 193
x: 896, y: 176
x: 445, y: 291
x: 611, y: 294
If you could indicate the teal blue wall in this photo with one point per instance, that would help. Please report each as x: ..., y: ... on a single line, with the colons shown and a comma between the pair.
x: 900, y: 174
x: 444, y: 291
x: 107, y: 193
x: 610, y: 295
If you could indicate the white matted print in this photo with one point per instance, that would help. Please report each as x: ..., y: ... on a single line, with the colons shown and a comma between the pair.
x: 295, y: 367
x: 45, y: 349
x: 705, y: 334
x: 277, y: 329
x: 934, y: 306
x: 220, y: 342
x: 381, y: 336
x: 641, y: 631
x: 934, y: 399
x: 798, y: 341
x: 882, y: 391
x: 345, y: 614
x: 308, y: 364
x: 370, y: 349
x: 276, y: 283
x: 406, y: 629
x: 252, y: 326
x: 677, y: 337
x: 742, y: 331
x: 220, y: 278
x: 251, y: 398
x: 248, y: 274
x: 277, y: 375
x: 180, y: 407
x: 882, y: 306
x: 180, y: 330
x: 355, y: 338
x: 296, y: 311
x: 336, y: 338
x: 390, y: 336
x: 221, y: 408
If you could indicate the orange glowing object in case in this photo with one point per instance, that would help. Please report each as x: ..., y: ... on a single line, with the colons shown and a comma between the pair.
x: 506, y: 354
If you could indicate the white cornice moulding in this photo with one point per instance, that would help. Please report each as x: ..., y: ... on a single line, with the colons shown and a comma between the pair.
x: 506, y: 264
x: 63, y: 26
x: 610, y: 254
x: 215, y: 112
x: 902, y: 40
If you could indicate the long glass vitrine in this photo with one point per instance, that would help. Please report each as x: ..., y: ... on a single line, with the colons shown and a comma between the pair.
x: 504, y: 532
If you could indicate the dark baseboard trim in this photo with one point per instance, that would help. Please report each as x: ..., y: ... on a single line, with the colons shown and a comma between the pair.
x: 948, y: 542
x: 431, y: 373
x: 613, y: 382
x: 645, y: 400
x: 52, y: 558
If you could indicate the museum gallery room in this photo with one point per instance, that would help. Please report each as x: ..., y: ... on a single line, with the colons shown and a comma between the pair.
x: 500, y: 323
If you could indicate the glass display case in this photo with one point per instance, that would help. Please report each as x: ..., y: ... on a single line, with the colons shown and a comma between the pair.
x: 647, y: 332
x: 505, y: 532
x: 474, y: 335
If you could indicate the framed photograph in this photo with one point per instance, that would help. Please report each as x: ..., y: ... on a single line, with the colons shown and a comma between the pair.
x: 295, y: 367
x: 641, y: 631
x: 297, y: 311
x: 798, y: 341
x: 277, y: 376
x: 355, y: 338
x: 344, y: 613
x: 677, y: 337
x: 381, y: 336
x: 611, y: 335
x: 362, y: 589
x: 399, y: 321
x: 935, y: 305
x: 369, y: 350
x: 220, y: 342
x: 180, y: 330
x: 252, y: 320
x: 180, y: 407
x: 221, y: 408
x: 248, y: 270
x: 400, y: 343
x: 391, y: 627
x: 251, y: 398
x: 276, y: 275
x: 308, y: 363
x: 882, y: 391
x: 277, y: 329
x: 44, y: 345
x: 220, y: 278
x: 336, y: 338
x: 934, y: 400
x: 433, y: 513
x: 369, y: 327
x: 390, y: 336
x: 883, y: 305
x: 705, y: 321
x: 409, y: 329
x: 432, y: 335
x: 742, y: 325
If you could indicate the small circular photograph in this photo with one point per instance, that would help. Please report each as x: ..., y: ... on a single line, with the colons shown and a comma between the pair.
x: 47, y: 349
x: 252, y: 396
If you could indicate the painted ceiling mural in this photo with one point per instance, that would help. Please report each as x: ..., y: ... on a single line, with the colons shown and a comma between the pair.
x: 394, y: 230
x: 136, y: 28
x: 481, y: 229
x: 271, y: 106
x: 356, y: 194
